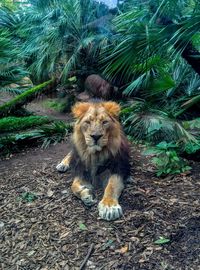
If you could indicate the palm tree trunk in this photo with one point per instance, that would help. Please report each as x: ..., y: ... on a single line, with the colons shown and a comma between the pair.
x: 192, y: 56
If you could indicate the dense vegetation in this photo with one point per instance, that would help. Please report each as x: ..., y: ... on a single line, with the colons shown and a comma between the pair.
x: 149, y: 50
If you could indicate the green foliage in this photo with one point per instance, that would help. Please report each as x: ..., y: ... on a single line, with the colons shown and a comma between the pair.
x: 28, y: 196
x: 23, y: 98
x: 10, y: 142
x: 162, y: 241
x: 145, y: 59
x: 82, y: 226
x: 192, y: 124
x: 11, y: 123
x: 11, y: 71
x: 107, y: 244
x: 8, y: 3
x: 145, y: 49
x: 61, y: 105
x: 191, y: 148
x: 167, y: 160
x: 55, y: 104
x: 148, y: 122
x: 46, y: 134
x: 54, y: 133
x: 57, y: 37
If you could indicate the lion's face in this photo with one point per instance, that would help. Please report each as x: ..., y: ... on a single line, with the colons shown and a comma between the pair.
x: 97, y: 125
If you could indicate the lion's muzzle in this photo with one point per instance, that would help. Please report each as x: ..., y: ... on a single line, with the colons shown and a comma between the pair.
x: 96, y: 137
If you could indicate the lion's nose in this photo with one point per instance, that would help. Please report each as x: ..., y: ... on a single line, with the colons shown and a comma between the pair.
x: 96, y: 137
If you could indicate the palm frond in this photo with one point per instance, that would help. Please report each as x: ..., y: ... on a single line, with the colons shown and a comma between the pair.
x: 143, y: 122
x: 11, y: 72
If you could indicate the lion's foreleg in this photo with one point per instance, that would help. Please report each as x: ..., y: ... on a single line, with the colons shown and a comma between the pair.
x: 64, y: 165
x: 109, y: 208
x: 83, y: 190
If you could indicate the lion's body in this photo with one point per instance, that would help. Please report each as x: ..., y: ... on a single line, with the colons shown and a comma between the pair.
x: 98, y: 145
x: 95, y: 164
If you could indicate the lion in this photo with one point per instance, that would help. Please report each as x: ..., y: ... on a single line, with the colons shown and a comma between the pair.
x: 99, y: 144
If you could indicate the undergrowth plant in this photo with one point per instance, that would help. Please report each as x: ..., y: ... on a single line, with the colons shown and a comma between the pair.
x: 45, y: 134
x: 150, y: 123
x: 54, y: 133
x: 167, y: 159
x: 62, y: 105
x: 11, y: 68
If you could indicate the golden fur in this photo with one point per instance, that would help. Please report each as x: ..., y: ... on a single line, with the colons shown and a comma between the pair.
x: 96, y: 118
x: 98, y: 141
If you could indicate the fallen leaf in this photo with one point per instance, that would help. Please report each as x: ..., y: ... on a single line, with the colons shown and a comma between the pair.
x: 122, y: 250
x: 82, y: 226
x: 50, y: 193
x: 31, y: 253
x: 162, y: 240
x: 28, y: 196
x: 2, y: 224
x: 107, y: 244
x: 64, y: 235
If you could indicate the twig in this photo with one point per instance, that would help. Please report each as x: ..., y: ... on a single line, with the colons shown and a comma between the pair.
x: 41, y: 206
x: 87, y: 256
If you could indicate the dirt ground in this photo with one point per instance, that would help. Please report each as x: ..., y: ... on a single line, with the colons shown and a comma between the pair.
x: 53, y: 230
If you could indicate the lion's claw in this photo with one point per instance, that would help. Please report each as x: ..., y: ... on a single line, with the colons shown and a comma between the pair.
x: 61, y: 167
x: 109, y: 212
x: 89, y: 200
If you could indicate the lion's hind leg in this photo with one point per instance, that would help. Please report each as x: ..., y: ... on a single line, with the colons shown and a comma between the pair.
x: 109, y: 208
x: 64, y: 165
x: 83, y: 191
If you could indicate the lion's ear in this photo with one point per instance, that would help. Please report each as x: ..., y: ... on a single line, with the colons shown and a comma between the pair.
x: 112, y: 108
x: 80, y: 108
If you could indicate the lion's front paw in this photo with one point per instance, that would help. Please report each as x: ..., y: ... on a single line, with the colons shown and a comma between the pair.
x: 61, y: 167
x: 88, y: 200
x: 87, y: 197
x: 109, y: 209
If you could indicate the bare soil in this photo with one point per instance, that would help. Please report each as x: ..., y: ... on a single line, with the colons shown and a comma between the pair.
x: 55, y: 231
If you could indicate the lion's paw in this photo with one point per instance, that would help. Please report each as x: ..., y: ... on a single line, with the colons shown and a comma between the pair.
x: 88, y: 199
x: 61, y: 167
x: 110, y: 210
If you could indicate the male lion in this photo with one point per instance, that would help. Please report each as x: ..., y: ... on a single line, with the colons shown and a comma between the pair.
x: 98, y: 145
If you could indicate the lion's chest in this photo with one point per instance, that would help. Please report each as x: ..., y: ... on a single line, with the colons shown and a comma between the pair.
x: 96, y: 164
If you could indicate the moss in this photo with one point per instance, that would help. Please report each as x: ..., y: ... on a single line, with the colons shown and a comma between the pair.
x: 54, y: 104
x: 12, y: 123
x: 62, y: 105
x: 23, y: 98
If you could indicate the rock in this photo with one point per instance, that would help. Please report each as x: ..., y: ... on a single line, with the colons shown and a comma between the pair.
x: 13, y: 85
x: 97, y: 87
x: 83, y: 97
x: 26, y: 82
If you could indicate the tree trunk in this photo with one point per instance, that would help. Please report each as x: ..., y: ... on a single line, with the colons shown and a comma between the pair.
x: 192, y: 56
x: 24, y: 98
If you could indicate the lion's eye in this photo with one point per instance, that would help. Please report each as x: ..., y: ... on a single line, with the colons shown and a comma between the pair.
x: 105, y: 122
x: 87, y: 122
